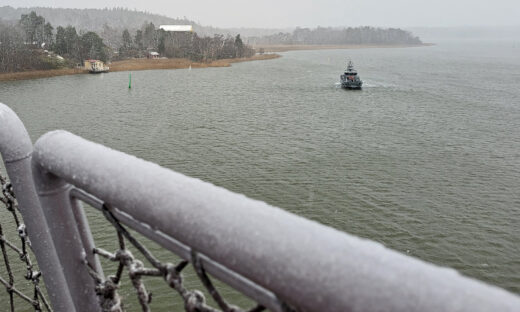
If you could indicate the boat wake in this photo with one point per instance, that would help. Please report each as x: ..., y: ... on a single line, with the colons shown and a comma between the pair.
x: 370, y: 85
x: 374, y: 84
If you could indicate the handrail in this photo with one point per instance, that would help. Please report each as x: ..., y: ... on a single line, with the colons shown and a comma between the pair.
x: 16, y: 150
x: 310, y: 266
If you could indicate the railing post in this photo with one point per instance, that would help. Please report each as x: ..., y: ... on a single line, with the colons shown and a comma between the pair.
x: 86, y: 236
x: 16, y: 149
x: 55, y: 200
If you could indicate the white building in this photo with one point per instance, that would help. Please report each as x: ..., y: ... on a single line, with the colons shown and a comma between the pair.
x: 153, y: 55
x: 177, y: 28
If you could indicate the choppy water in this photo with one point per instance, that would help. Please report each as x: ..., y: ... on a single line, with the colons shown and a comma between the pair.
x: 425, y: 159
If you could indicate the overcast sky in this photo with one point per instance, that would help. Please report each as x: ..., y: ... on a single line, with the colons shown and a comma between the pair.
x: 311, y: 13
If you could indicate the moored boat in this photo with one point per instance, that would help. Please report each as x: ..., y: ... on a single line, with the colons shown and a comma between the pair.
x: 96, y: 66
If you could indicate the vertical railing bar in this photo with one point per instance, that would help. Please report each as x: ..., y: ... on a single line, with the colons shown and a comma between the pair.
x: 16, y: 149
x: 86, y: 236
x: 59, y: 212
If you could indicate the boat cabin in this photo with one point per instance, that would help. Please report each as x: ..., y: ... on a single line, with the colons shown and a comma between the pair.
x: 95, y: 66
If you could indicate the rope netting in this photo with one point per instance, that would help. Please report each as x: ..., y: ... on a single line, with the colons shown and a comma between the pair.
x: 22, y: 250
x: 194, y: 300
x: 106, y: 288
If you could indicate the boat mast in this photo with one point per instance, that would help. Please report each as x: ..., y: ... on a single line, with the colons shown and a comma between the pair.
x: 350, y: 66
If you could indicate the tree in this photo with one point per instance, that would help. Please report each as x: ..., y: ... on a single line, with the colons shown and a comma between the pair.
x: 162, y: 46
x: 127, y: 40
x: 239, y: 46
x: 16, y: 55
x: 126, y: 45
x: 47, y: 34
x: 150, y: 38
x: 33, y: 27
x: 92, y: 47
x: 10, y: 49
x: 60, y: 45
x: 138, y: 39
x: 72, y: 43
x: 228, y: 48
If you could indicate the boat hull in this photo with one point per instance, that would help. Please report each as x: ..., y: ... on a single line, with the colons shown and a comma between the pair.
x: 98, y: 70
x: 352, y: 86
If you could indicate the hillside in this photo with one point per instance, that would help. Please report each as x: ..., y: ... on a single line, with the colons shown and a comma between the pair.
x: 110, y: 23
x: 119, y: 18
x: 91, y: 19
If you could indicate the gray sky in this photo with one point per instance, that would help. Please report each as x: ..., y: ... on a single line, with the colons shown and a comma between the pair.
x: 311, y: 13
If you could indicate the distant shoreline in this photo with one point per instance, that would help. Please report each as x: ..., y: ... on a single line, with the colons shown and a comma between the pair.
x: 298, y: 47
x: 151, y: 64
x: 134, y: 65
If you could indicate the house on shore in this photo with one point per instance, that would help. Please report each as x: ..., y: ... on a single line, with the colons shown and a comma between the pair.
x: 153, y: 55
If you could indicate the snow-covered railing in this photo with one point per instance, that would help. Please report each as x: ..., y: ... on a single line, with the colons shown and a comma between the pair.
x: 282, y: 261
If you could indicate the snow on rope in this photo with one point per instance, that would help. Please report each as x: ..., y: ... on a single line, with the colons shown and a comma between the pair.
x: 37, y: 299
x: 194, y: 300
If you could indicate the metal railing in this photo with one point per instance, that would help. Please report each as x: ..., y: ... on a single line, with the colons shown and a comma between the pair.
x: 16, y: 150
x: 280, y: 260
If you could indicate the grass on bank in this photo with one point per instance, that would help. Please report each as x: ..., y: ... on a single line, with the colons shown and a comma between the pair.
x: 133, y: 64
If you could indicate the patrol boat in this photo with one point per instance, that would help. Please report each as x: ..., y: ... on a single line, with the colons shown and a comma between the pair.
x: 350, y: 79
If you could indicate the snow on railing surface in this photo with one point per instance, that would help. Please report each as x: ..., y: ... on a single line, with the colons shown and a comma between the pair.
x: 282, y: 261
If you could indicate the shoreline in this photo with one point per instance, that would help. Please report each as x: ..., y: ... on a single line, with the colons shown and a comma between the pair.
x: 176, y: 63
x: 301, y: 47
x: 36, y: 74
x: 134, y: 65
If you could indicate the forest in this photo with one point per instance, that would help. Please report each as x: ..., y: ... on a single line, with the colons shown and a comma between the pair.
x: 48, y: 38
x: 339, y: 36
x: 32, y: 43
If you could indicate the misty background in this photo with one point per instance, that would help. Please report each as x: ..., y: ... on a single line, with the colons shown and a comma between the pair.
x: 311, y: 13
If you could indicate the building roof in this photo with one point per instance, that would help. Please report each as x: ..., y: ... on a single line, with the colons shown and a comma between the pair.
x: 176, y: 27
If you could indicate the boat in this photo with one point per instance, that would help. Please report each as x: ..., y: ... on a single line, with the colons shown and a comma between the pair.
x: 96, y: 66
x: 350, y: 79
